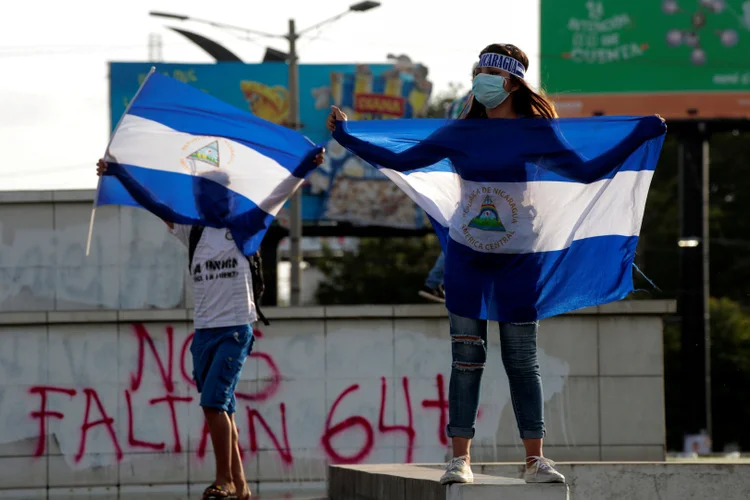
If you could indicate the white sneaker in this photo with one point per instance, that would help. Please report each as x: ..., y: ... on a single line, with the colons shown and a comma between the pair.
x: 457, y: 471
x: 542, y: 470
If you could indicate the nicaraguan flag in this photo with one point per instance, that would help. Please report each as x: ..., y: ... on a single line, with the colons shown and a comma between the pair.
x: 537, y: 217
x: 190, y: 158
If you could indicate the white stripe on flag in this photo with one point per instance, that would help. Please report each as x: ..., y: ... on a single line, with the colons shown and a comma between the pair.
x: 438, y: 193
x: 545, y: 216
x: 150, y: 144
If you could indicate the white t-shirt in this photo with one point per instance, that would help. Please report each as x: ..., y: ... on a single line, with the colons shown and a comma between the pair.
x: 222, y: 282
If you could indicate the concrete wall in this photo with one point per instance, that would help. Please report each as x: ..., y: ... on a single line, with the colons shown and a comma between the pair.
x: 134, y: 262
x: 105, y: 397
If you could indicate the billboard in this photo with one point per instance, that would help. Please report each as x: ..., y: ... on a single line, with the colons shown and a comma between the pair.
x: 677, y: 58
x: 344, y: 188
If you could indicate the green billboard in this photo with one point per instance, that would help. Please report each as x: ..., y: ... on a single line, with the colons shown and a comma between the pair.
x: 648, y: 47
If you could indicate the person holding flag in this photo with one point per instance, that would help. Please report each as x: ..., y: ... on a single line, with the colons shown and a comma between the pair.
x: 216, y: 176
x: 537, y: 216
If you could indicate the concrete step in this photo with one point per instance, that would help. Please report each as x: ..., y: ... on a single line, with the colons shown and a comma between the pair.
x: 422, y: 482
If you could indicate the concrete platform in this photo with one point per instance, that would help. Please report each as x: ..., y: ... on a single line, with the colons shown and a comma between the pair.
x: 422, y: 482
x: 674, y: 480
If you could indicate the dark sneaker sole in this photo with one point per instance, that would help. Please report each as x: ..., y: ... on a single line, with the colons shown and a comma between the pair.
x: 431, y: 297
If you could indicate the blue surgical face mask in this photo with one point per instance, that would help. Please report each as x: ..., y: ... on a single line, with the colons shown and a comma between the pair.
x: 489, y: 90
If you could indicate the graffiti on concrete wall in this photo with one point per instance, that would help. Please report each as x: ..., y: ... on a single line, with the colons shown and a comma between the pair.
x: 100, y: 394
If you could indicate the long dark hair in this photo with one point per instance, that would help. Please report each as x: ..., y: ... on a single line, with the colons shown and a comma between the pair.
x: 526, y: 101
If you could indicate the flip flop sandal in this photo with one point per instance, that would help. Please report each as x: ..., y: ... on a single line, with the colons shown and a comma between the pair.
x: 218, y: 492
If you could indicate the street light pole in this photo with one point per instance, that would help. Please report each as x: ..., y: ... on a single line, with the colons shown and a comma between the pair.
x: 295, y: 217
x: 694, y: 292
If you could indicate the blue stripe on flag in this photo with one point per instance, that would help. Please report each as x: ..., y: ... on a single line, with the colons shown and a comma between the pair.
x: 177, y: 205
x: 529, y: 287
x: 521, y: 150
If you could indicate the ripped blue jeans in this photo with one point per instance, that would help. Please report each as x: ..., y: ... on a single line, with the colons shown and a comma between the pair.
x: 519, y: 354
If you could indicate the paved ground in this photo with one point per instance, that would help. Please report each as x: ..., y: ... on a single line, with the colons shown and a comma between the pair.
x: 145, y: 493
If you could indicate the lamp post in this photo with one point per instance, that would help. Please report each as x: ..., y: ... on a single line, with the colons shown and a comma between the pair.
x: 295, y: 217
x: 693, y: 294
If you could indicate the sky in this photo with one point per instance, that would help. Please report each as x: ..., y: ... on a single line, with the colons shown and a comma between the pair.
x: 54, y: 110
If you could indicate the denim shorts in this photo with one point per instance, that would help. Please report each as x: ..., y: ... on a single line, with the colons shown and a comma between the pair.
x: 218, y: 357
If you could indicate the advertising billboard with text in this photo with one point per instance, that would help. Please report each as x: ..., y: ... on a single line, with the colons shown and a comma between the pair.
x: 677, y: 58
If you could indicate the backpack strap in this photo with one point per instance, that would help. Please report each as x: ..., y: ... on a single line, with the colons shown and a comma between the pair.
x: 195, y: 236
x: 256, y: 270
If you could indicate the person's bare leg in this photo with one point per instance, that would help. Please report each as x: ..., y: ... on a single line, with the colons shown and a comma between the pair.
x: 461, y: 447
x: 533, y: 449
x: 238, y: 472
x: 220, y: 427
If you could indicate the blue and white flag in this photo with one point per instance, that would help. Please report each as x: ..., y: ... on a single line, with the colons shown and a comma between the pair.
x: 536, y: 217
x: 190, y: 158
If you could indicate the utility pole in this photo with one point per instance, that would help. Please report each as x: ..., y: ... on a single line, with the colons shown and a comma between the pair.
x: 295, y: 217
x: 693, y: 298
x: 154, y: 47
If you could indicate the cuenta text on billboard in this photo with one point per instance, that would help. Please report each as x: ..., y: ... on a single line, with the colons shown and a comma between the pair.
x: 608, y: 55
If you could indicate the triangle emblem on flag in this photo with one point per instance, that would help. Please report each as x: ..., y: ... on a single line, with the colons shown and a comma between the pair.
x: 208, y: 154
x: 488, y: 218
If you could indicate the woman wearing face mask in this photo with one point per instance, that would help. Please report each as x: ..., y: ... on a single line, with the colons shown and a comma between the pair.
x: 499, y: 91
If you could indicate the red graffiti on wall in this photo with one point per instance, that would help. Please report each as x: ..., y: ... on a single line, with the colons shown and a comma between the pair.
x: 132, y: 441
x: 96, y: 414
x: 144, y: 338
x: 441, y: 404
x: 285, y: 453
x: 43, y: 414
x: 346, y: 424
x: 105, y: 420
x: 411, y: 433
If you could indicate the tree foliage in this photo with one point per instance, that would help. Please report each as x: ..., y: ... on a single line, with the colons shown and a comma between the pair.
x: 729, y: 223
x: 380, y: 271
x: 730, y: 376
x: 439, y: 104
